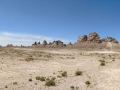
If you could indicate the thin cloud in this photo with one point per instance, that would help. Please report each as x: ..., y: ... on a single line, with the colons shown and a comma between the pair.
x: 24, y: 39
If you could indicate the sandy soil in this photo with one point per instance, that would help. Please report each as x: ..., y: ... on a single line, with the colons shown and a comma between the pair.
x: 51, y: 63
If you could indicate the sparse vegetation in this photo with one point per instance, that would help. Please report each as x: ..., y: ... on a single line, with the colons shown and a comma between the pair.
x: 50, y: 83
x: 29, y: 59
x: 6, y: 86
x: 64, y: 74
x: 87, y: 83
x: 30, y: 80
x: 47, y: 78
x: 14, y: 83
x: 78, y: 73
x: 36, y: 83
x: 59, y: 76
x: 102, y: 63
x: 53, y: 78
x: 72, y: 87
x: 40, y: 78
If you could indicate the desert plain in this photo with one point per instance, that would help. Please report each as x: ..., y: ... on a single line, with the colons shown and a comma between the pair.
x: 69, y: 69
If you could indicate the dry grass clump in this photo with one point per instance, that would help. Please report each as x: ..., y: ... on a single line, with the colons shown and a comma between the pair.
x: 6, y: 86
x: 78, y: 73
x: 87, y: 83
x: 50, y: 82
x: 74, y: 88
x: 40, y: 78
x: 14, y: 83
x: 64, y: 74
x: 29, y: 59
x: 102, y: 62
x: 30, y: 80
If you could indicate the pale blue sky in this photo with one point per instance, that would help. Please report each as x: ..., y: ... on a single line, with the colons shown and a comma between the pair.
x: 22, y: 20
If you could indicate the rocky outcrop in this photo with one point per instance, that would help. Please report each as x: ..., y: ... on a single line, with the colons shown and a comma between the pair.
x: 94, y: 37
x: 50, y: 43
x: 35, y: 43
x: 82, y: 38
x: 57, y: 42
x: 109, y: 39
x: 44, y: 42
x: 39, y: 43
x: 70, y: 43
x: 84, y: 41
x: 9, y: 45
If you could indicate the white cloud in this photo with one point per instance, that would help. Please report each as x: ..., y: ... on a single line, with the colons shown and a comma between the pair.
x: 24, y: 39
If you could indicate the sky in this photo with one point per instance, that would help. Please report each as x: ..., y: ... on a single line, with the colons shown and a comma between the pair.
x: 26, y: 21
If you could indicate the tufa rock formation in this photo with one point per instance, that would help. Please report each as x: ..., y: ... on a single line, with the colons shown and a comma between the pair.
x: 35, y: 43
x: 82, y: 38
x: 92, y: 41
x: 57, y: 42
x: 50, y: 43
x: 39, y: 43
x: 94, y: 38
x: 9, y: 45
x: 109, y: 39
x: 70, y: 43
x: 54, y: 44
x: 44, y: 42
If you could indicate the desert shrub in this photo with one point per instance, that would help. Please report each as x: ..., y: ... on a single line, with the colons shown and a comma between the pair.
x: 50, y: 83
x: 64, y: 74
x: 40, y: 78
x: 113, y: 60
x: 29, y: 59
x: 87, y: 83
x: 36, y: 83
x: 102, y: 63
x: 30, y: 56
x: 78, y: 73
x: 14, y: 83
x: 48, y: 78
x: 39, y: 55
x: 53, y: 78
x: 72, y: 87
x: 6, y: 86
x: 102, y: 60
x: 59, y: 76
x: 30, y: 80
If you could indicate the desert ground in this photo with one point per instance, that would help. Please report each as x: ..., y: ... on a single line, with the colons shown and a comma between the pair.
x: 68, y: 69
